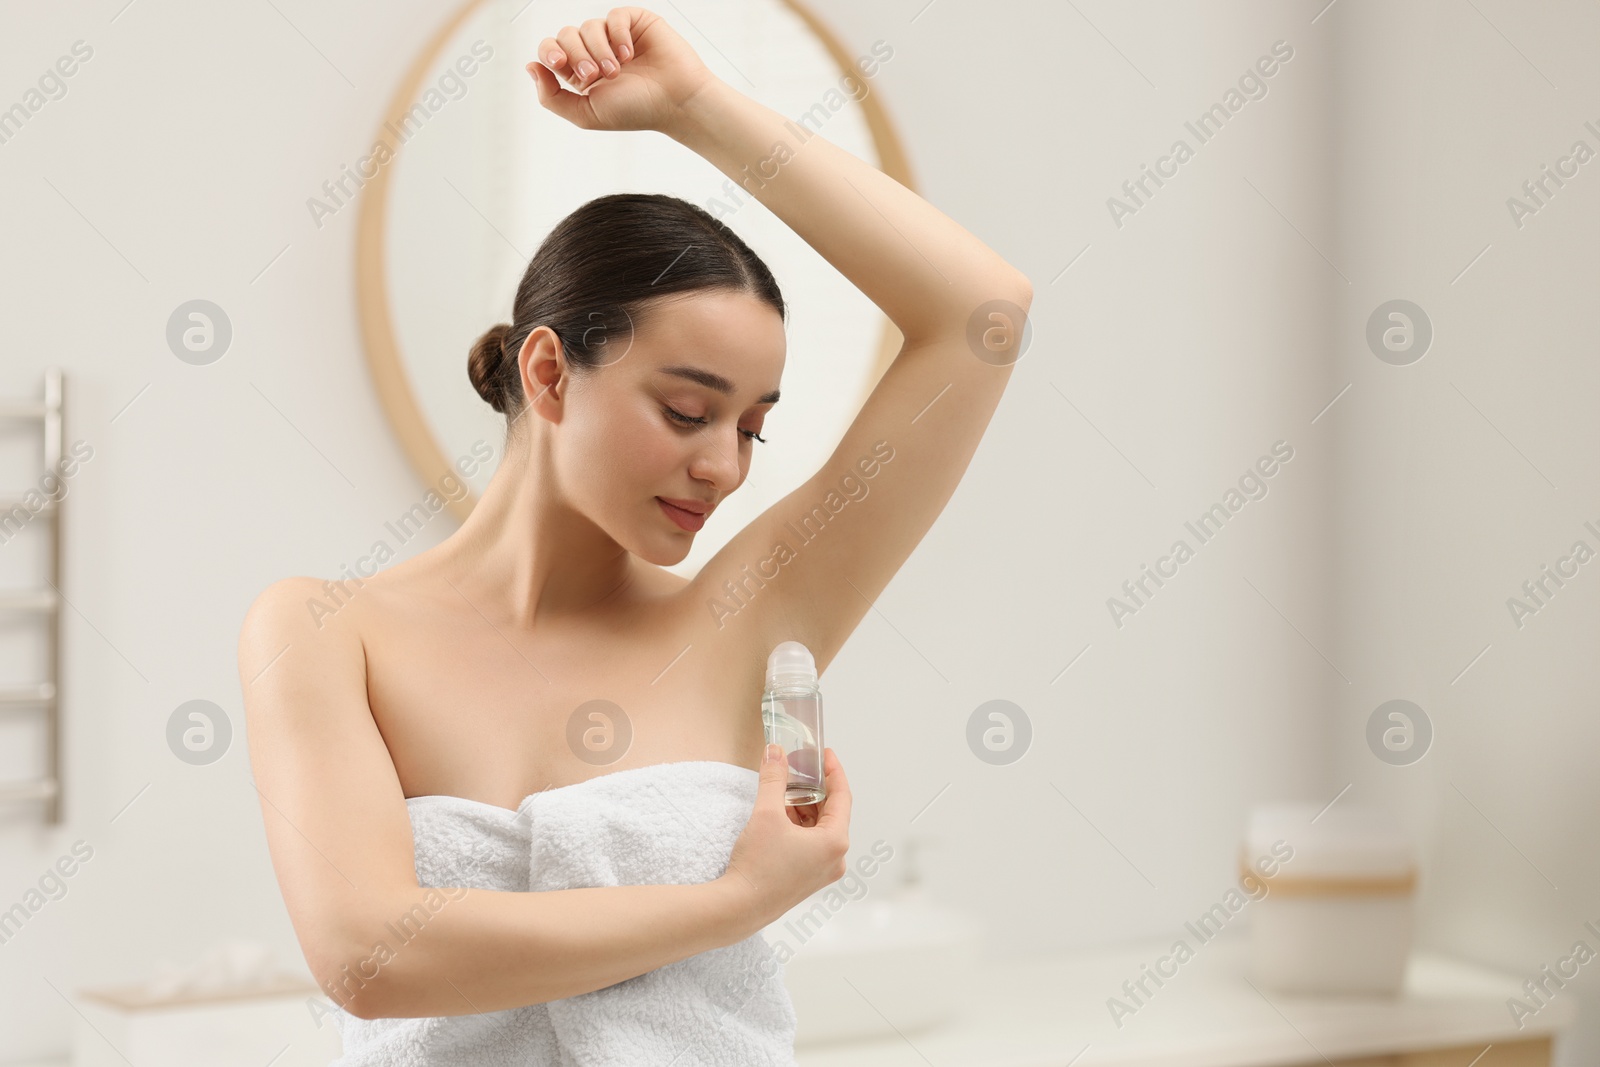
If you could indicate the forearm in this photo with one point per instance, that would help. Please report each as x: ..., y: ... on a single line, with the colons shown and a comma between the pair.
x: 918, y: 265
x: 473, y: 950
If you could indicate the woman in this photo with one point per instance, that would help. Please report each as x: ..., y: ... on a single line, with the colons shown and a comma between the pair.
x: 541, y: 659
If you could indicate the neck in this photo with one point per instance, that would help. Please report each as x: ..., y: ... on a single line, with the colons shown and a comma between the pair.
x: 524, y: 555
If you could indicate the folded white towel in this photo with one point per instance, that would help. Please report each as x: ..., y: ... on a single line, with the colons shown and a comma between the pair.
x: 662, y: 824
x: 668, y: 823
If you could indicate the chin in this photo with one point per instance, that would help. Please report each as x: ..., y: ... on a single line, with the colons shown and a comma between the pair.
x: 679, y: 555
x: 666, y: 555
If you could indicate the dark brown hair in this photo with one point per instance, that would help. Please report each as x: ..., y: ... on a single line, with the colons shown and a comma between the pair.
x: 595, y: 279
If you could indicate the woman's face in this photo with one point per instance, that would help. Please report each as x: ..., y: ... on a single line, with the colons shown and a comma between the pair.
x: 671, y: 418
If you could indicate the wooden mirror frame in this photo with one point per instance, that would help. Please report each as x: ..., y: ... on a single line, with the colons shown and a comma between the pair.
x: 427, y: 459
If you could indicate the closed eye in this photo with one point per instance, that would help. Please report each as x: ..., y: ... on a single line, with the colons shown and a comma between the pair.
x: 689, y: 420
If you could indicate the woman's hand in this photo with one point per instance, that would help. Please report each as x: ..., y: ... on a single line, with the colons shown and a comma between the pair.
x: 637, y: 71
x: 777, y: 861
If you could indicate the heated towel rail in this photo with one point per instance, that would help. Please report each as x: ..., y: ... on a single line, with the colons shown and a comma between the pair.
x: 45, y: 603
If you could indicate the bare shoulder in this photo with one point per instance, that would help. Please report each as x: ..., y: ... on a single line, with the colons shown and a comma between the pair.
x: 291, y: 640
x: 292, y: 606
x: 342, y: 609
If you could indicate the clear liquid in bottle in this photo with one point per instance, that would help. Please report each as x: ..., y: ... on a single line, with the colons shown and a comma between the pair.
x: 791, y: 715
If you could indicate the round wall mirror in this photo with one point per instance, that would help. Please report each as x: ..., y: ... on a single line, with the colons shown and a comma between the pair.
x: 468, y: 173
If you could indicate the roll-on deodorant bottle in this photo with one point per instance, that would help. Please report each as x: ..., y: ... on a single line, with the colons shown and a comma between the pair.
x: 791, y: 712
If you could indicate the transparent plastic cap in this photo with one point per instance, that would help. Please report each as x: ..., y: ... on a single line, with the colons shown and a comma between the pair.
x: 791, y: 664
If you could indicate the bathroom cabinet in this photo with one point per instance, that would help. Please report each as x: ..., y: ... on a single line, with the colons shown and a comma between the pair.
x: 1052, y: 1011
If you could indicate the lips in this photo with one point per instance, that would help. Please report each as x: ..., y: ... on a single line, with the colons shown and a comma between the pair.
x: 688, y: 514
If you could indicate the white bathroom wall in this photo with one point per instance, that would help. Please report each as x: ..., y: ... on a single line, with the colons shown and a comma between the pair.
x: 1461, y: 475
x: 1169, y: 354
x: 178, y: 166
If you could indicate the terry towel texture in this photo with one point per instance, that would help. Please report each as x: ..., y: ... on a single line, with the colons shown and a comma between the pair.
x: 663, y: 824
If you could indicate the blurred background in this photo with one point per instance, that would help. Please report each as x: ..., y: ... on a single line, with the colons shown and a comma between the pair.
x: 1370, y: 268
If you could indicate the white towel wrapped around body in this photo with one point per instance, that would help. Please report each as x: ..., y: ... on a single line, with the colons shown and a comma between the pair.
x: 660, y: 824
x: 668, y: 824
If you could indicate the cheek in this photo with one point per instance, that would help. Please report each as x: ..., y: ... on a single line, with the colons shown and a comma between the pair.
x: 656, y: 450
x: 651, y: 467
x: 599, y: 457
x: 640, y: 455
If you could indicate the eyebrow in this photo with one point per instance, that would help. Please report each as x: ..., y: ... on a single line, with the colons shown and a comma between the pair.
x: 715, y: 381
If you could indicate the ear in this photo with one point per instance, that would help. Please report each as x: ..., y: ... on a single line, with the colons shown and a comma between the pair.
x: 543, y: 368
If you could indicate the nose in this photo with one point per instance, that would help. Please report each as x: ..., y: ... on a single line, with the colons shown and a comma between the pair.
x: 716, y: 459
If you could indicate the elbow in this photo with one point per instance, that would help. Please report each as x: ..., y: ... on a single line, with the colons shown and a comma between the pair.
x: 356, y: 985
x: 1002, y: 281
x: 1021, y: 291
x: 356, y: 974
x: 370, y: 974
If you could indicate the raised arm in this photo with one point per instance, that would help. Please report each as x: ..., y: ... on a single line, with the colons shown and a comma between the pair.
x: 958, y: 304
x: 341, y: 844
x: 960, y: 308
x: 919, y: 266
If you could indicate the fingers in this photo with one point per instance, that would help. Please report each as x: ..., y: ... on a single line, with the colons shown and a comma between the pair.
x: 836, y: 803
x: 593, y: 33
x: 619, y: 24
x: 565, y: 55
x: 774, y: 778
x: 803, y: 814
x: 587, y: 51
x: 574, y: 107
x: 598, y: 48
x: 552, y: 55
x: 580, y: 67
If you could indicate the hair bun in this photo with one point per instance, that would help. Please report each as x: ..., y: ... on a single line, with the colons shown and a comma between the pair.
x: 485, y: 365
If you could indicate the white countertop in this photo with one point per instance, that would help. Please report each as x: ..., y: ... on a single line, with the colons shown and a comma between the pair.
x: 1045, y: 1012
